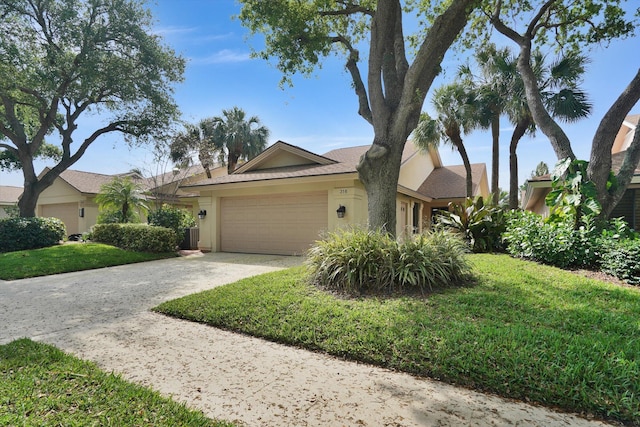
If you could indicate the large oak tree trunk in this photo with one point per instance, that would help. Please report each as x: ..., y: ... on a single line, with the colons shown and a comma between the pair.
x: 379, y: 170
x: 600, y: 158
x: 395, y: 95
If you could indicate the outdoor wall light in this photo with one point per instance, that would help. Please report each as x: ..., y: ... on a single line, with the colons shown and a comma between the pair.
x: 340, y: 211
x: 81, y: 212
x: 202, y: 213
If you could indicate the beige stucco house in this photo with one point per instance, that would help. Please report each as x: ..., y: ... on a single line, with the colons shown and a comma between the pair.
x: 71, y: 197
x: 9, y: 196
x: 284, y: 199
x: 628, y: 208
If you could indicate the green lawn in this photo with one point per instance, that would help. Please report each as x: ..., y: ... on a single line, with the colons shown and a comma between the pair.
x: 67, y: 258
x: 42, y: 386
x: 523, y: 331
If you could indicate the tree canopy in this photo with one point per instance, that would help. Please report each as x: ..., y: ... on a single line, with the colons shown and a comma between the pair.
x: 61, y: 60
x: 572, y: 26
x: 229, y: 138
x: 400, y: 67
x: 391, y: 90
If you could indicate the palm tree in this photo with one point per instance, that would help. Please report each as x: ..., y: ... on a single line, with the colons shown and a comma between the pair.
x: 193, y: 138
x: 499, y: 80
x: 231, y: 137
x: 457, y: 110
x: 123, y: 196
x: 492, y: 89
x: 235, y: 137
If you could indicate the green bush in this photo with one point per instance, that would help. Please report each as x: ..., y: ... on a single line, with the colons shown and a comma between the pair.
x: 136, y: 237
x: 18, y: 234
x: 171, y: 217
x: 108, y: 233
x: 481, y: 225
x: 622, y: 259
x: 558, y: 242
x: 356, y: 261
x: 430, y: 260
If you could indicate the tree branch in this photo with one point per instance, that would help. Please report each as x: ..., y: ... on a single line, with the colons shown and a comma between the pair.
x: 352, y: 66
x: 533, y: 25
x: 600, y: 159
x: 16, y: 133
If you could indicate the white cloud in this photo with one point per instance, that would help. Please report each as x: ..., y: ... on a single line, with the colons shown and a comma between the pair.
x: 171, y: 30
x: 222, y: 57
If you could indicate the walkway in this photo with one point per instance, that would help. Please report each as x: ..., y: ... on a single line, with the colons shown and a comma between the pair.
x: 103, y: 315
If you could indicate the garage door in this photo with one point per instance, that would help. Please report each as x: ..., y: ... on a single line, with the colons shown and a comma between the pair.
x: 66, y: 212
x: 285, y: 224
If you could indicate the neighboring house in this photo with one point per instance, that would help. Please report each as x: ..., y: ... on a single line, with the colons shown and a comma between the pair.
x: 71, y: 197
x: 9, y: 196
x: 285, y: 198
x: 628, y: 208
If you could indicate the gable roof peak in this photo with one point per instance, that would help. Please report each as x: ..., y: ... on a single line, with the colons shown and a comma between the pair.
x: 282, y: 154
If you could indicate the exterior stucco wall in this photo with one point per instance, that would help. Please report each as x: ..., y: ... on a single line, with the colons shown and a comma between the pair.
x: 348, y: 192
x: 415, y: 170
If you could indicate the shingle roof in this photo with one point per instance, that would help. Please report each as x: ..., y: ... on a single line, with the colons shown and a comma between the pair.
x: 9, y: 194
x: 349, y: 155
x: 347, y: 159
x: 280, y: 173
x: 86, y: 182
x: 169, y: 177
x: 450, y: 181
x: 352, y: 154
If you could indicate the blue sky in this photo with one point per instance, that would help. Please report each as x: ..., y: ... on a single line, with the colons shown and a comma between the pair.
x: 318, y: 113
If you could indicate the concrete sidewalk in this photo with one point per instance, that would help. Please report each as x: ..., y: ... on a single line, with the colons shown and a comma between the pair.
x: 103, y: 315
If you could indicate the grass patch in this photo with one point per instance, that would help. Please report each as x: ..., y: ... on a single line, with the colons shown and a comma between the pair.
x: 42, y: 386
x: 67, y: 258
x: 523, y: 331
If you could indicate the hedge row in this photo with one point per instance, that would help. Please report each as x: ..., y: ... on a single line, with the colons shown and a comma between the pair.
x: 135, y: 237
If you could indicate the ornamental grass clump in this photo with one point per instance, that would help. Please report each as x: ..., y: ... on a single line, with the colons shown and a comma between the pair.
x: 352, y: 261
x: 357, y: 261
x: 430, y: 260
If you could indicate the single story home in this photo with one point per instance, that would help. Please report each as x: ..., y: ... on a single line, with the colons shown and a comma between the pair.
x: 71, y: 197
x: 9, y: 196
x: 281, y: 201
x: 628, y: 208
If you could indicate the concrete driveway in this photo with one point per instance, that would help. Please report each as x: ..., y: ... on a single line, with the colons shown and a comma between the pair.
x: 103, y: 315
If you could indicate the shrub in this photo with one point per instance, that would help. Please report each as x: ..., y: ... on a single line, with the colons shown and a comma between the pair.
x: 171, y: 217
x: 430, y: 260
x: 481, y: 225
x: 557, y: 242
x: 136, y: 237
x: 352, y: 261
x: 18, y: 234
x: 356, y: 261
x: 108, y: 233
x: 622, y: 259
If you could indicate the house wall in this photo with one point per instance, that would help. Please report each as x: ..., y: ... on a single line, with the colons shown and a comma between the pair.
x: 348, y: 192
x: 61, y: 196
x: 415, y: 170
x: 623, y: 139
x: 483, y: 187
